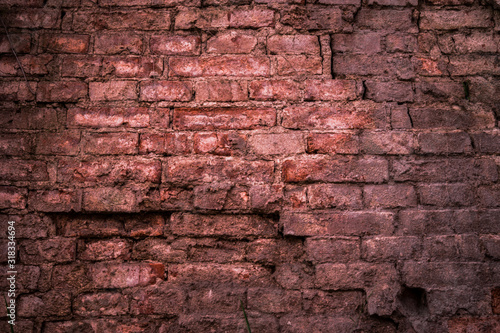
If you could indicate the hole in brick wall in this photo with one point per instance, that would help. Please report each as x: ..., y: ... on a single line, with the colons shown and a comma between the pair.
x: 413, y: 301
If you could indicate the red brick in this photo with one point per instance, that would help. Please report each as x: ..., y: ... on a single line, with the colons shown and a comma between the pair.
x: 44, y: 118
x: 338, y: 169
x: 21, y: 43
x: 293, y: 44
x: 335, y: 223
x: 331, y: 90
x: 269, y: 300
x: 364, y: 43
x: 473, y: 64
x: 226, y: 65
x: 476, y: 42
x: 236, y: 226
x: 392, y: 143
x: 251, y: 18
x: 211, y: 197
x: 452, y: 19
x: 23, y: 170
x: 64, y: 43
x: 176, y: 198
x: 332, y: 143
x: 13, y: 197
x: 389, y: 196
x: 101, y: 304
x: 488, y: 143
x: 126, y: 275
x: 51, y: 303
x: 81, y: 66
x: 22, y: 3
x: 27, y: 226
x: 57, y: 250
x: 495, y: 300
x: 489, y: 196
x: 104, y: 250
x: 274, y: 251
x: 445, y: 169
x: 333, y: 249
x: 277, y: 144
x: 389, y: 91
x: 274, y: 90
x: 204, y: 19
x: 221, y: 91
x: 33, y: 18
x: 391, y: 248
x: 400, y: 119
x: 386, y: 19
x: 109, y: 199
x: 161, y: 299
x: 28, y: 277
x: 451, y: 2
x: 17, y: 91
x: 61, y: 91
x: 158, y: 249
x: 299, y: 65
x: 334, y: 196
x: 452, y: 248
x: 443, y: 274
x: 132, y: 67
x: 15, y: 144
x: 452, y: 118
x: 223, y: 144
x: 175, y: 45
x: 231, y: 42
x: 166, y: 90
x: 223, y: 118
x: 32, y: 64
x: 112, y: 90
x: 55, y: 200
x: 118, y: 43
x: 217, y: 300
x: 117, y: 143
x: 320, y: 323
x: 216, y: 251
x: 439, y: 90
x: 108, y: 117
x: 63, y: 143
x: 166, y: 143
x: 443, y: 195
x: 314, y: 18
x: 336, y: 302
x: 362, y: 114
x: 471, y: 324
x: 379, y: 65
x: 430, y: 67
x: 401, y: 42
x: 120, y: 20
x: 240, y: 273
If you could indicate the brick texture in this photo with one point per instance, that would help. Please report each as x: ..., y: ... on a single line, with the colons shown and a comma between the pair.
x: 326, y: 165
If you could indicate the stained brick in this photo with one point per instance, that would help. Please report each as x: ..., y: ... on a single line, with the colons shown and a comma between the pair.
x: 15, y: 144
x: 23, y: 170
x: 227, y: 65
x: 222, y: 144
x: 112, y: 90
x: 55, y: 200
x: 332, y: 143
x: 231, y: 42
x: 443, y: 195
x: 221, y: 91
x: 389, y: 196
x: 118, y: 43
x: 111, y: 143
x: 364, y: 43
x: 108, y: 117
x: 333, y: 249
x: 166, y: 91
x: 175, y: 45
x: 339, y: 196
x: 451, y: 19
x: 64, y: 43
x: 61, y: 91
x: 331, y: 90
x: 293, y: 44
x: 21, y: 43
x: 47, y: 18
x: 13, y: 197
x: 274, y: 90
x: 109, y: 199
x: 132, y: 67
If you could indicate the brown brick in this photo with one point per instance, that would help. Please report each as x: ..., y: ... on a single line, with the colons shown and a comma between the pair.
x: 364, y: 43
x: 293, y: 44
x: 376, y: 65
x: 158, y: 249
x: 166, y: 91
x: 237, y: 274
x: 162, y: 299
x: 325, y: 302
x: 338, y: 169
x: 231, y: 42
x: 335, y: 223
x: 223, y: 118
x: 332, y: 143
x: 488, y: 143
x: 23, y: 3
x: 15, y: 144
x: 58, y: 250
x: 217, y: 300
x: 333, y: 249
x: 83, y: 66
x: 111, y: 143
x: 442, y: 274
x: 109, y: 199
x: 227, y: 65
x: 339, y: 196
x: 443, y: 195
x: 452, y: 248
x: 17, y: 91
x: 118, y: 43
x: 451, y: 19
x: 112, y: 90
x: 13, y: 197
x: 175, y: 45
x: 389, y: 196
x: 387, y: 19
x: 489, y: 196
x: 55, y: 200
x: 444, y: 143
x: 401, y: 42
x: 205, y: 19
x: 33, y: 18
x: 392, y: 143
x: 389, y: 91
x: 381, y: 248
x: 126, y: 275
x: 104, y: 250
x: 314, y: 18
x: 453, y: 118
x: 472, y: 324
x: 273, y: 300
x: 61, y: 91
x: 64, y: 143
x: 51, y: 303
x: 23, y: 170
x: 101, y: 304
x: 64, y: 43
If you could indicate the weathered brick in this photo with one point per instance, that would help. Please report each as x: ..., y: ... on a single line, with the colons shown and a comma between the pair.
x: 314, y: 18
x: 331, y: 90
x: 475, y: 42
x: 333, y: 249
x: 55, y: 200
x: 401, y: 3
x: 101, y: 304
x: 61, y: 91
x: 473, y: 324
x: 401, y: 42
x: 217, y: 300
x: 81, y: 66
x: 452, y: 19
x: 274, y: 90
x: 165, y: 143
x: 439, y: 90
x: 379, y: 65
x: 109, y: 199
x: 270, y: 300
x: 64, y: 43
x: 13, y: 197
x: 126, y: 275
x: 226, y: 65
x: 158, y: 249
x: 339, y: 196
x: 116, y: 143
x: 382, y: 248
x: 443, y: 195
x: 487, y: 142
x: 104, y: 250
x: 364, y: 43
x: 23, y: 170
x: 489, y: 196
x: 338, y: 169
x: 112, y: 90
x: 176, y: 198
x: 132, y: 67
x: 393, y: 142
x: 452, y: 248
x: 266, y: 197
x: 165, y: 91
x: 335, y: 223
x: 23, y: 3
x: 175, y: 45
x: 332, y: 143
x: 389, y: 196
x: 362, y: 114
x: 236, y: 274
x: 51, y: 303
x: 122, y: 20
x: 400, y: 119
x: 57, y: 250
x: 251, y: 18
x: 293, y: 44
x: 295, y: 65
x: 448, y: 302
x: 231, y: 42
x: 206, y: 18
x: 387, y: 19
x: 276, y: 144
x: 211, y: 118
x: 495, y: 300
x: 473, y: 64
x: 216, y: 251
x: 223, y: 144
x: 118, y: 43
x: 64, y: 143
x: 338, y: 302
x: 452, y: 118
x: 108, y: 117
x: 389, y: 91
x: 352, y: 276
x: 47, y: 18
x: 17, y: 91
x: 162, y: 299
x: 221, y: 91
x: 241, y: 226
x: 442, y: 274
x: 15, y: 144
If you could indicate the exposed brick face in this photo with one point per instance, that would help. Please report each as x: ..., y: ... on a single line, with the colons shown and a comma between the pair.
x: 326, y: 165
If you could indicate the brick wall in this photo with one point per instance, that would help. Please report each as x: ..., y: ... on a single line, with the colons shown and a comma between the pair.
x: 331, y: 165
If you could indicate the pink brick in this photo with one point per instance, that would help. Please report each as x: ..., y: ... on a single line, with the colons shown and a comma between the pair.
x: 223, y: 144
x: 231, y: 42
x: 15, y: 144
x: 64, y: 43
x: 109, y: 199
x: 331, y: 90
x: 274, y: 90
x: 390, y: 196
x: 13, y: 197
x: 166, y: 143
x: 228, y: 65
x: 23, y: 170
x: 166, y: 90
x: 332, y: 143
x: 108, y: 117
x: 221, y: 91
x: 126, y: 275
x: 251, y: 18
x: 175, y: 45
x: 293, y: 44
x: 63, y: 143
x: 112, y: 90
x: 299, y: 65
x: 118, y: 43
x: 132, y: 67
x: 333, y: 249
x: 55, y: 200
x: 62, y: 91
x: 111, y: 143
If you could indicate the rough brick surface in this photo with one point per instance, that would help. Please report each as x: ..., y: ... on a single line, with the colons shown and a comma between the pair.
x: 326, y: 165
